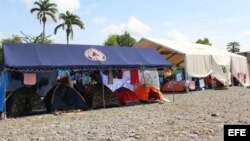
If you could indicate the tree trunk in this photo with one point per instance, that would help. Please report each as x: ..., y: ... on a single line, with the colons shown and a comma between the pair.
x: 67, y: 37
x: 43, y: 32
x: 44, y: 21
x: 68, y: 32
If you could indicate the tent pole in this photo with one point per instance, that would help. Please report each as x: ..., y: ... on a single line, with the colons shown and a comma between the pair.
x: 173, y: 92
x: 232, y: 75
x: 5, y: 90
x: 103, y: 95
x: 232, y: 80
x: 212, y: 81
x: 211, y: 74
x: 186, y: 74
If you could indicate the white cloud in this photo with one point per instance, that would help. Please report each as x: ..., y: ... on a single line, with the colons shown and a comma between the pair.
x: 174, y: 34
x: 134, y: 26
x: 100, y: 20
x: 62, y: 5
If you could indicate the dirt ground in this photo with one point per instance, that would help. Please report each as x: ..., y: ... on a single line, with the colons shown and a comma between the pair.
x: 195, y: 116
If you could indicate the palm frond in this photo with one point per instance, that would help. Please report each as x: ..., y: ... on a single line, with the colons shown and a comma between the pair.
x: 69, y: 19
x: 52, y: 16
x: 57, y: 27
x: 78, y: 23
x: 34, y: 9
x: 39, y: 4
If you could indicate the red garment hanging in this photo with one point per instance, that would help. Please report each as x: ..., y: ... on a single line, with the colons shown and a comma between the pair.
x: 134, y: 76
x: 29, y: 79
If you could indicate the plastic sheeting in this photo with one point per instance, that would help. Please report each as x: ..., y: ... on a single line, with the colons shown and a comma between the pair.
x: 3, y: 86
x: 239, y: 71
x: 201, y: 60
x: 151, y: 78
x: 43, y: 57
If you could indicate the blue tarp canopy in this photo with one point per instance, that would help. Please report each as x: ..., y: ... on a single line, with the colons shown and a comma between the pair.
x: 39, y: 57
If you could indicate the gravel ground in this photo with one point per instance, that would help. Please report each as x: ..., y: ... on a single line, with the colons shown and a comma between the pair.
x: 196, y: 116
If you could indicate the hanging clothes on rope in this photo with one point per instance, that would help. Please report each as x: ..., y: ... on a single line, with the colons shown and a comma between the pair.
x: 119, y: 74
x: 110, y: 77
x: 134, y: 76
x: 86, y: 79
x: 167, y: 72
x: 29, y: 79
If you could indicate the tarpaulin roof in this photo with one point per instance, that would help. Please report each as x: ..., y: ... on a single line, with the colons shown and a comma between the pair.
x: 200, y: 60
x: 36, y: 57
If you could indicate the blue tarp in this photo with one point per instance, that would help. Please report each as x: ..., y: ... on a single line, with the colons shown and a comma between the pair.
x: 35, y: 57
x: 3, y: 85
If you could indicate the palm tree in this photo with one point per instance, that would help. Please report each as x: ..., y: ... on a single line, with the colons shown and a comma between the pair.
x: 233, y: 47
x: 44, y: 8
x: 69, y: 19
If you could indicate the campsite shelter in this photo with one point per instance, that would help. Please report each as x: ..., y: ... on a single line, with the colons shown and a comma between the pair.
x: 246, y: 54
x: 126, y: 96
x: 51, y: 57
x: 200, y: 60
x: 94, y: 99
x: 62, y: 96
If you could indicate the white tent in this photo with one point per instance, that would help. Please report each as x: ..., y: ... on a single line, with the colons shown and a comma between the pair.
x: 246, y: 54
x: 201, y: 60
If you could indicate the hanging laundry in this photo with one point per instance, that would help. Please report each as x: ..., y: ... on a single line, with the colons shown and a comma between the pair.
x: 120, y: 74
x: 174, y: 70
x: 201, y: 83
x: 98, y: 77
x: 238, y: 75
x: 29, y: 78
x: 110, y: 77
x: 134, y: 76
x: 178, y: 77
x: 166, y: 72
x: 78, y: 77
x: 85, y: 78
x: 60, y: 74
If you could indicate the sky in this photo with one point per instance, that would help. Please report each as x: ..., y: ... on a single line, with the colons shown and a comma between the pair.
x: 221, y: 21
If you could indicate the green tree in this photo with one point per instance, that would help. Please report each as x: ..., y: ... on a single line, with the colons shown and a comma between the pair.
x: 120, y: 40
x: 14, y: 39
x: 69, y: 19
x: 44, y: 8
x: 112, y: 41
x: 233, y: 47
x: 204, y: 41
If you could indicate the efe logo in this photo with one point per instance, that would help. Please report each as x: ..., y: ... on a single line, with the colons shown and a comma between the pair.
x: 236, y: 132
